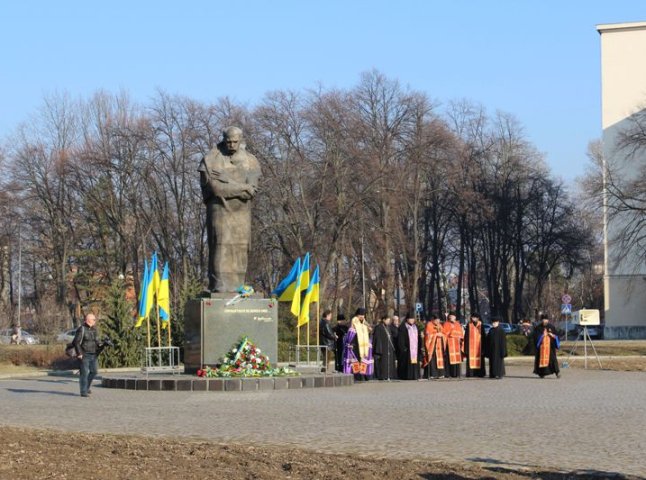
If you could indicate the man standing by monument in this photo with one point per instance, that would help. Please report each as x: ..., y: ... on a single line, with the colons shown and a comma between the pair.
x: 229, y: 180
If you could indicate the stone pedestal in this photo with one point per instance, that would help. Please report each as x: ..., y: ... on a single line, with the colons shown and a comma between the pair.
x: 211, y: 328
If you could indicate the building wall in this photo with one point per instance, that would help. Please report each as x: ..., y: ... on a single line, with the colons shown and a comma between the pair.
x: 623, y: 94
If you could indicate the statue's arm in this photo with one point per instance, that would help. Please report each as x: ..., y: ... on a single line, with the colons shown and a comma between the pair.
x: 216, y: 184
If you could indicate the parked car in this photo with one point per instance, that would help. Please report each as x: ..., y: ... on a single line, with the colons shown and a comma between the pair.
x: 486, y: 327
x: 67, y: 336
x: 507, y: 327
x: 595, y: 332
x: 26, y: 338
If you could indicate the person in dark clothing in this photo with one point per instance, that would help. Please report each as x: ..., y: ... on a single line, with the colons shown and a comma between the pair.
x: 474, y: 351
x: 394, y: 332
x: 88, y: 347
x: 340, y: 330
x: 327, y: 338
x: 384, y: 350
x: 496, y: 349
x: 410, y: 350
x: 547, y: 343
x: 526, y: 330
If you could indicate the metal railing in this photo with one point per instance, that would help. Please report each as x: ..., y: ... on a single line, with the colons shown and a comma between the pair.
x: 161, y: 360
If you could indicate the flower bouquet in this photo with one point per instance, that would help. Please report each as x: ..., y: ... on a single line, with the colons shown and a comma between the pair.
x: 245, y: 360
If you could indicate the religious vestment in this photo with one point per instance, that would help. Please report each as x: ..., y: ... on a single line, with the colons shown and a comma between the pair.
x: 545, y: 362
x: 357, y: 353
x: 454, y: 336
x: 383, y: 349
x: 435, y: 346
x: 474, y: 351
x: 410, y: 352
x: 496, y: 349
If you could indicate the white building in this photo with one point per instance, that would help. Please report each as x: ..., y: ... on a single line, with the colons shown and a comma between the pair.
x: 623, y: 94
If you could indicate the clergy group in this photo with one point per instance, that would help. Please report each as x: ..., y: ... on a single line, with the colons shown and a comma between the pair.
x: 410, y: 351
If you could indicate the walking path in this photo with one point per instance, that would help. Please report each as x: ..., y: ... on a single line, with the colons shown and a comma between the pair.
x: 587, y: 420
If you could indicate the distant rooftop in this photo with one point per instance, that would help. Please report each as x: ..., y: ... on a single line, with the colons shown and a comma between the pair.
x: 609, y: 27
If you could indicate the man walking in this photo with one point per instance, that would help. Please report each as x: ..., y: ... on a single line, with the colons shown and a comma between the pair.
x: 87, y: 349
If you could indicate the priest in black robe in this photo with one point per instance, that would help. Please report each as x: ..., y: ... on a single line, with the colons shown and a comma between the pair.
x: 394, y: 333
x: 383, y: 349
x: 410, y: 350
x: 496, y: 349
x: 340, y: 330
x: 547, y: 343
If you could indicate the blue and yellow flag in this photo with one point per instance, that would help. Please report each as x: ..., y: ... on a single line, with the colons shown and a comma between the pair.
x: 301, y: 284
x: 305, y: 272
x: 286, y: 288
x: 143, y: 292
x: 155, y: 269
x: 163, y: 297
x: 311, y: 296
x: 153, y: 283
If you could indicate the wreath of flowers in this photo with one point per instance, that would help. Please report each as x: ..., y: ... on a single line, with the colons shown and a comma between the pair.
x: 245, y: 360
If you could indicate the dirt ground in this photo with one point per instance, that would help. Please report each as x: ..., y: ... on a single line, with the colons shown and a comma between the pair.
x: 38, y: 454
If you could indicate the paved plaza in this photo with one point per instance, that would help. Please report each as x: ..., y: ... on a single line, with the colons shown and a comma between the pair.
x: 587, y: 420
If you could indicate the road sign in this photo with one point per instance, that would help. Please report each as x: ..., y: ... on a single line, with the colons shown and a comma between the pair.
x: 566, y: 299
x: 566, y: 309
x: 419, y: 308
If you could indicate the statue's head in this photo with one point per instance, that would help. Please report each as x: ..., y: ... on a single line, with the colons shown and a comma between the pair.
x: 232, y: 138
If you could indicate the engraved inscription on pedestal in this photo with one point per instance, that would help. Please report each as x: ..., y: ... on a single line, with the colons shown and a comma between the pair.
x: 212, y: 328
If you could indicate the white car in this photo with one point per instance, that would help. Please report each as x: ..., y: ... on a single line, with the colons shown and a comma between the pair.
x: 66, y: 336
x: 26, y: 338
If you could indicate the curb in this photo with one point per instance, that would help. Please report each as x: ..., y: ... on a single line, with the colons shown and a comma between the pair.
x: 241, y: 384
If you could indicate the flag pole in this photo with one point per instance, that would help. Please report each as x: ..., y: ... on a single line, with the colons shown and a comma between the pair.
x: 318, y: 332
x: 148, y: 326
x: 159, y: 344
x: 298, y: 342
x: 308, y: 337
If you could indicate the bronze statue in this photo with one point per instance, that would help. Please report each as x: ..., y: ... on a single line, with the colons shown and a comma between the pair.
x: 229, y: 179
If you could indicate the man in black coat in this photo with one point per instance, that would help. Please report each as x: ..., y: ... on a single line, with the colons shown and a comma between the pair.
x: 496, y: 349
x: 327, y: 338
x: 340, y: 330
x: 383, y: 349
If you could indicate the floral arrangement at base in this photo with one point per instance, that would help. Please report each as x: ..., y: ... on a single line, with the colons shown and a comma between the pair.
x: 245, y: 360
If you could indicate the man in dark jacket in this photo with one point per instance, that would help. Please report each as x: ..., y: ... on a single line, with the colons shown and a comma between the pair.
x: 87, y: 346
x: 340, y: 331
x: 327, y: 338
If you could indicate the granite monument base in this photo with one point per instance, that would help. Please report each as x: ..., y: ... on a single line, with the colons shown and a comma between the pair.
x: 212, y: 328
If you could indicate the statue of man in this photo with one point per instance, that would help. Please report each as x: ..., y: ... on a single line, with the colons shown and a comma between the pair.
x: 229, y: 179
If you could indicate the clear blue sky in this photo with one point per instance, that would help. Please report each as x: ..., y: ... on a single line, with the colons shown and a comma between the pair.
x: 536, y: 59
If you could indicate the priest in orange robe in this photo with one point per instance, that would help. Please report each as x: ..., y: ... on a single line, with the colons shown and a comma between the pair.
x: 474, y: 347
x: 454, y: 337
x: 435, y: 347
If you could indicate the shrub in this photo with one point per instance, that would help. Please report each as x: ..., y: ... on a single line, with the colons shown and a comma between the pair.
x: 40, y: 356
x: 516, y: 345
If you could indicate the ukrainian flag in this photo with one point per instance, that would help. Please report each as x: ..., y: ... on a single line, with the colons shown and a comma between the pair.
x: 153, y: 283
x: 305, y: 272
x: 143, y: 292
x: 163, y: 297
x: 286, y: 288
x: 311, y: 296
x: 301, y: 284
